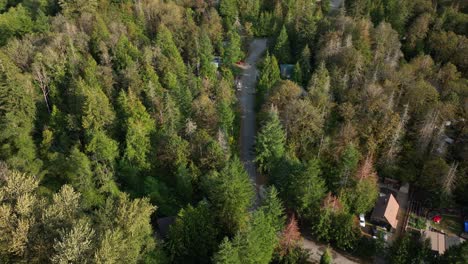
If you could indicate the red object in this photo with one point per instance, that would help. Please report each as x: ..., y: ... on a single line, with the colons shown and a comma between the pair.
x: 437, y: 219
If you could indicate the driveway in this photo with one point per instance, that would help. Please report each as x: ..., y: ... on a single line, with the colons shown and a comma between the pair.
x: 248, y: 82
x: 316, y: 251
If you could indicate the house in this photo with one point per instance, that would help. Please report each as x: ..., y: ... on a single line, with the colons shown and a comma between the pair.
x: 386, y: 210
x: 440, y: 242
x: 286, y: 70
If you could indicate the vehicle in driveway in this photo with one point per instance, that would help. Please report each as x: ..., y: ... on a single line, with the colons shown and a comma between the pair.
x: 362, y: 220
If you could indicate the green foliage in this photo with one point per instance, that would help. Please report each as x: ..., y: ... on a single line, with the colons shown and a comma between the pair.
x: 15, y: 23
x: 207, y: 68
x: 345, y: 231
x: 255, y: 244
x: 230, y: 192
x: 138, y: 128
x: 118, y: 231
x: 319, y: 87
x: 125, y: 53
x: 306, y: 188
x: 233, y: 49
x: 455, y: 254
x: 170, y: 60
x: 270, y: 142
x: 76, y: 7
x: 229, y: 10
x: 297, y: 74
x: 282, y: 49
x: 273, y: 209
x: 410, y: 248
x: 326, y: 257
x: 192, y: 238
x: 347, y: 164
x: 17, y: 116
x: 227, y: 253
x: 363, y: 196
x: 269, y: 76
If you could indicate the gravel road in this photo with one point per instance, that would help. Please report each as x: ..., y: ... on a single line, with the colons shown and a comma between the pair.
x: 248, y: 82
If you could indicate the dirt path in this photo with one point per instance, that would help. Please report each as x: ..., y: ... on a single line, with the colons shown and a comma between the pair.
x: 248, y: 82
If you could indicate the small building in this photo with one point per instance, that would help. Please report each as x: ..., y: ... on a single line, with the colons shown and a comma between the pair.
x: 386, y: 210
x: 441, y: 242
x: 286, y: 70
x: 437, y: 241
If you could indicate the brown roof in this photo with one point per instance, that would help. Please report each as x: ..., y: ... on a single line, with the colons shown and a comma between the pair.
x: 437, y: 241
x: 386, y: 209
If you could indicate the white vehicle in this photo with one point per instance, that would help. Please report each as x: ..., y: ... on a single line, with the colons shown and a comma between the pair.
x: 362, y: 220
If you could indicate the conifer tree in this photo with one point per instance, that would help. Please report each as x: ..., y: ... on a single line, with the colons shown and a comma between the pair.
x: 17, y: 116
x: 269, y: 75
x: 306, y: 188
x: 233, y: 50
x: 137, y: 126
x: 231, y: 193
x: 305, y: 63
x: 282, y: 49
x: 319, y: 87
x: 326, y: 257
x: 270, y: 143
x: 170, y: 60
x: 229, y: 11
x: 297, y: 74
x: 207, y: 68
x: 192, y: 238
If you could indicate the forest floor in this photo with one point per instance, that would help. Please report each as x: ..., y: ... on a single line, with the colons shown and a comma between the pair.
x: 248, y: 82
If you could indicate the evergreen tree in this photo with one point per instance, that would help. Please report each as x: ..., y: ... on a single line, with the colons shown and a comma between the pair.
x: 326, y: 257
x: 137, y: 127
x: 319, y: 87
x: 17, y: 117
x: 270, y: 143
x: 273, y: 208
x: 227, y: 254
x: 306, y: 188
x: 254, y: 244
x: 269, y: 76
x: 305, y: 64
x: 233, y: 50
x: 170, y: 60
x: 207, y: 68
x: 192, y: 238
x: 282, y: 49
x: 229, y: 11
x: 231, y: 193
x: 297, y: 74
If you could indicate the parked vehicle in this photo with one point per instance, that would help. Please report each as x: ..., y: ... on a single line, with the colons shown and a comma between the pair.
x: 362, y: 220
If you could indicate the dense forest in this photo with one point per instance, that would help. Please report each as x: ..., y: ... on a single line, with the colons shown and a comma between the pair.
x: 113, y: 115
